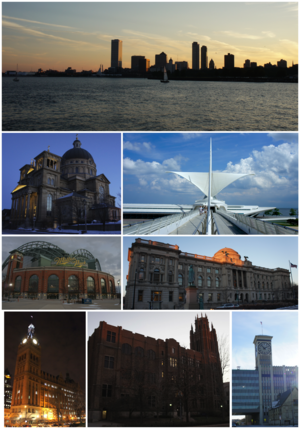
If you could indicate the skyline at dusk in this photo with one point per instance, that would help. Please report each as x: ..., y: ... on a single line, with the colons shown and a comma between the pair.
x: 61, y: 35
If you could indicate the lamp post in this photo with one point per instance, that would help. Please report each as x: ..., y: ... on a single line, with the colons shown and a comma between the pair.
x: 134, y: 289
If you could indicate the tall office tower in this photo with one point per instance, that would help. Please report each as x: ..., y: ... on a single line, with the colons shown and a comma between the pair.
x: 204, y: 57
x: 135, y: 60
x: 246, y: 64
x: 116, y: 53
x: 161, y: 59
x: 229, y: 61
x: 211, y: 64
x: 195, y: 56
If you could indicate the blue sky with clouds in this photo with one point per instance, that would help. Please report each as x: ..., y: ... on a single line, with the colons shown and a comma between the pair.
x: 282, y: 326
x: 19, y: 148
x: 272, y: 157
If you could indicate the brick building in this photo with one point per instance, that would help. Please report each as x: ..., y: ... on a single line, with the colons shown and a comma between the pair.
x: 158, y: 278
x: 54, y: 274
x: 130, y: 374
x: 36, y: 394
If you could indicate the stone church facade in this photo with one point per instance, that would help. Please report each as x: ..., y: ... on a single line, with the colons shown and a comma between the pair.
x: 55, y: 190
x: 131, y: 375
x: 158, y: 278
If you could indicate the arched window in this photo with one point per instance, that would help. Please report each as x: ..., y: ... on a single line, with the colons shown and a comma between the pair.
x: 126, y: 349
x: 53, y: 284
x: 141, y: 274
x: 18, y: 282
x: 101, y: 193
x: 49, y: 204
x: 180, y: 279
x: 90, y: 284
x: 139, y: 351
x: 151, y: 354
x: 217, y: 282
x: 103, y: 286
x: 33, y: 284
x: 199, y: 281
x: 208, y: 282
x: 73, y: 284
x: 156, y: 275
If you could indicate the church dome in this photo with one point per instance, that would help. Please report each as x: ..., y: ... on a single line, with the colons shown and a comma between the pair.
x: 76, y: 152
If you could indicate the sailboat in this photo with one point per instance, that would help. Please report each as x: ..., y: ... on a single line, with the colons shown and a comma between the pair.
x: 165, y: 76
x: 16, y: 77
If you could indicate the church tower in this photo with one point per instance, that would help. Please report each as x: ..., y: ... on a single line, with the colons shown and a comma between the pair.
x: 26, y: 386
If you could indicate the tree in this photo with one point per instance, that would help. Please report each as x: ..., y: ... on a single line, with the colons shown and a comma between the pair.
x: 79, y: 403
x: 268, y: 212
x: 224, y: 354
x: 276, y: 212
x: 293, y: 212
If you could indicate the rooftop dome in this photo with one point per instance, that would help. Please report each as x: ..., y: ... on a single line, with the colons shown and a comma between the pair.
x: 77, y: 152
x: 225, y: 253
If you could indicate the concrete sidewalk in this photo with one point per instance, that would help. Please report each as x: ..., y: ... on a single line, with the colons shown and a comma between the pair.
x: 57, y: 304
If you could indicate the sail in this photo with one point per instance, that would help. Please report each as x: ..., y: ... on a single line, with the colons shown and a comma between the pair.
x: 165, y: 74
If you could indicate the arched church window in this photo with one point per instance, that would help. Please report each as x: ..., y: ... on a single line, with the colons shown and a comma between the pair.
x: 49, y: 204
x: 101, y: 194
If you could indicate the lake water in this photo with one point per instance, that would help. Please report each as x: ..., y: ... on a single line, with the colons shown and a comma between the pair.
x: 107, y: 104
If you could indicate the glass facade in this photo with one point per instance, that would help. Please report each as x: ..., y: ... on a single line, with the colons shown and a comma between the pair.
x: 245, y: 391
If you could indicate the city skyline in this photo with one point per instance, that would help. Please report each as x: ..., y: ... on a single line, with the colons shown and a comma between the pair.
x: 60, y: 35
x: 271, y: 157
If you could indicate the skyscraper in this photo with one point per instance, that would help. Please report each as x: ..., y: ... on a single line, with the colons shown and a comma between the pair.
x: 116, y: 53
x: 229, y: 61
x: 203, y: 57
x: 211, y: 64
x: 161, y: 59
x: 195, y: 56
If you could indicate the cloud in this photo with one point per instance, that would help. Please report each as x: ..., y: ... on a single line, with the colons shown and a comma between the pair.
x: 240, y: 35
x: 268, y: 33
x: 288, y: 137
x: 35, y: 22
x: 273, y: 166
x: 139, y: 147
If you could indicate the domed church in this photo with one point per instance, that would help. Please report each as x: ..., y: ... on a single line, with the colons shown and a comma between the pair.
x: 55, y: 190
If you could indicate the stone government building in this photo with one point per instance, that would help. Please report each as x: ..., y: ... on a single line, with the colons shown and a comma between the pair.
x: 158, y: 277
x: 55, y: 190
x: 130, y: 374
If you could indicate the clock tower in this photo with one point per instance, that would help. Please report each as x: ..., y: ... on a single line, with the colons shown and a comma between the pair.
x: 264, y: 365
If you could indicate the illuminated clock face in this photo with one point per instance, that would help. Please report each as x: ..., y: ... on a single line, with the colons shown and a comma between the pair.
x: 264, y: 348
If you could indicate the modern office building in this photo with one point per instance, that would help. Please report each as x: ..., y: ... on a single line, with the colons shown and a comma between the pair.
x: 229, y: 61
x: 55, y: 190
x: 181, y: 65
x: 130, y: 374
x: 211, y: 64
x: 161, y: 60
x: 116, y: 53
x: 204, y: 60
x: 254, y: 391
x: 41, y: 270
x: 158, y: 277
x: 195, y: 56
x: 282, y: 64
x: 135, y: 62
x: 36, y: 394
x: 247, y: 64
